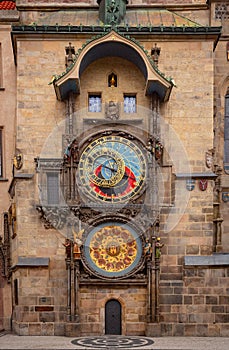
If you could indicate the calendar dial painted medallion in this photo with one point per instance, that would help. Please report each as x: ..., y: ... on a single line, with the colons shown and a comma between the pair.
x: 113, y: 249
x: 112, y: 169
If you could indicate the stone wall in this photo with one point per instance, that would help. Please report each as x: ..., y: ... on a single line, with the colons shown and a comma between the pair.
x: 7, y: 126
x: 197, y: 304
x: 92, y: 308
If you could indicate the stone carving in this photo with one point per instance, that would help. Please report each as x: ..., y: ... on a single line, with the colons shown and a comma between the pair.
x: 158, y: 246
x: 68, y: 248
x: 53, y: 217
x: 158, y: 151
x: 48, y: 163
x: 70, y: 55
x: 147, y: 249
x: 18, y: 159
x: 77, y: 243
x: 155, y: 53
x: 112, y: 110
x: 209, y: 159
x: 112, y: 11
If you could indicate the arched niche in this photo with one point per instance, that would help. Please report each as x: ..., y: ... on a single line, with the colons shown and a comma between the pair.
x: 113, y: 45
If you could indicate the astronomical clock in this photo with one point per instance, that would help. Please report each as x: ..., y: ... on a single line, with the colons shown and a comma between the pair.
x: 112, y: 169
x: 111, y: 178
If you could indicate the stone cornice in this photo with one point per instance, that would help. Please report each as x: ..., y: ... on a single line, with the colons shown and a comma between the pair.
x: 90, y: 29
x: 212, y: 260
x: 9, y: 16
x: 184, y: 176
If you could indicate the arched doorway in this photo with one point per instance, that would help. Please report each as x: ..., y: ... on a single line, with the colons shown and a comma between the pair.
x: 113, y: 317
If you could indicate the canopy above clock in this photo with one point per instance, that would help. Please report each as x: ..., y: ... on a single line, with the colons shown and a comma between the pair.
x: 113, y: 44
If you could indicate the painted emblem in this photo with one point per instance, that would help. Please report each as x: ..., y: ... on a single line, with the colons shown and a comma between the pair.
x: 190, y: 184
x: 203, y: 184
x: 225, y: 197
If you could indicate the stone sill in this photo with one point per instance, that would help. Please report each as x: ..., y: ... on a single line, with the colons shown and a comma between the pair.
x: 183, y: 176
x: 212, y: 260
x: 2, y: 179
x: 31, y: 262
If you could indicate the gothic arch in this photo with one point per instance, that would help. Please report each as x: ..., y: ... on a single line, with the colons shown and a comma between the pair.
x: 113, y: 44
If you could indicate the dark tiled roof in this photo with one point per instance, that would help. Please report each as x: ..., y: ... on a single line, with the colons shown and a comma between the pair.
x: 153, y: 17
x: 7, y: 5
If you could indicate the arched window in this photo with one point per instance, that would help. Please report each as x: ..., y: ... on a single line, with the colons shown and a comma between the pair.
x: 226, y: 133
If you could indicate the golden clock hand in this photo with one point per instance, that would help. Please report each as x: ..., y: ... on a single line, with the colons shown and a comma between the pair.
x: 115, y: 170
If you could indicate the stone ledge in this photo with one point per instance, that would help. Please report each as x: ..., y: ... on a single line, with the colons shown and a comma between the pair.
x: 213, y: 260
x: 18, y: 176
x: 182, y: 176
x: 31, y: 262
x: 9, y: 16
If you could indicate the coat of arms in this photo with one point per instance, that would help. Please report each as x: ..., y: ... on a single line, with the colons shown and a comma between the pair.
x: 112, y: 110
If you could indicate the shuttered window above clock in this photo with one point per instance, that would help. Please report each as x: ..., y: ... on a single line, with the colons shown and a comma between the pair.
x: 129, y: 103
x: 94, y: 103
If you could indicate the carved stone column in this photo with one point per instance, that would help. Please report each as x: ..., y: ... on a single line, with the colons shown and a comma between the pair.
x: 217, y: 220
x: 76, y: 290
x: 69, y: 289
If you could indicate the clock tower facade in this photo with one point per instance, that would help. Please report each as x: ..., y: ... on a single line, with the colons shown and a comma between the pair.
x: 114, y: 224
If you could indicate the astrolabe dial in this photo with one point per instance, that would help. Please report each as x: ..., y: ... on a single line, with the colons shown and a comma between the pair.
x: 112, y: 169
x: 106, y: 170
x: 113, y: 249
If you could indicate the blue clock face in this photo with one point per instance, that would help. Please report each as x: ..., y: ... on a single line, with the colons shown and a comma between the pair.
x: 112, y: 169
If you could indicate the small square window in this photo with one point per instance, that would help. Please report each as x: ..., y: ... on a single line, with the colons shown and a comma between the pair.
x: 94, y: 103
x: 129, y: 103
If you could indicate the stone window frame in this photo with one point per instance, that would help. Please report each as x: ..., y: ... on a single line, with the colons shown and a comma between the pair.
x: 96, y: 108
x: 126, y: 107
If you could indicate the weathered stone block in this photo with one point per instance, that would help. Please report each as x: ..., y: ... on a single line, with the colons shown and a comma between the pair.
x: 47, y: 316
x: 72, y: 329
x: 178, y: 330
x: 190, y: 329
x: 171, y: 299
x: 222, y: 318
x: 187, y: 299
x: 166, y: 329
x: 34, y: 328
x: 202, y: 330
x: 47, y: 329
x: 153, y: 330
x: 211, y: 299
